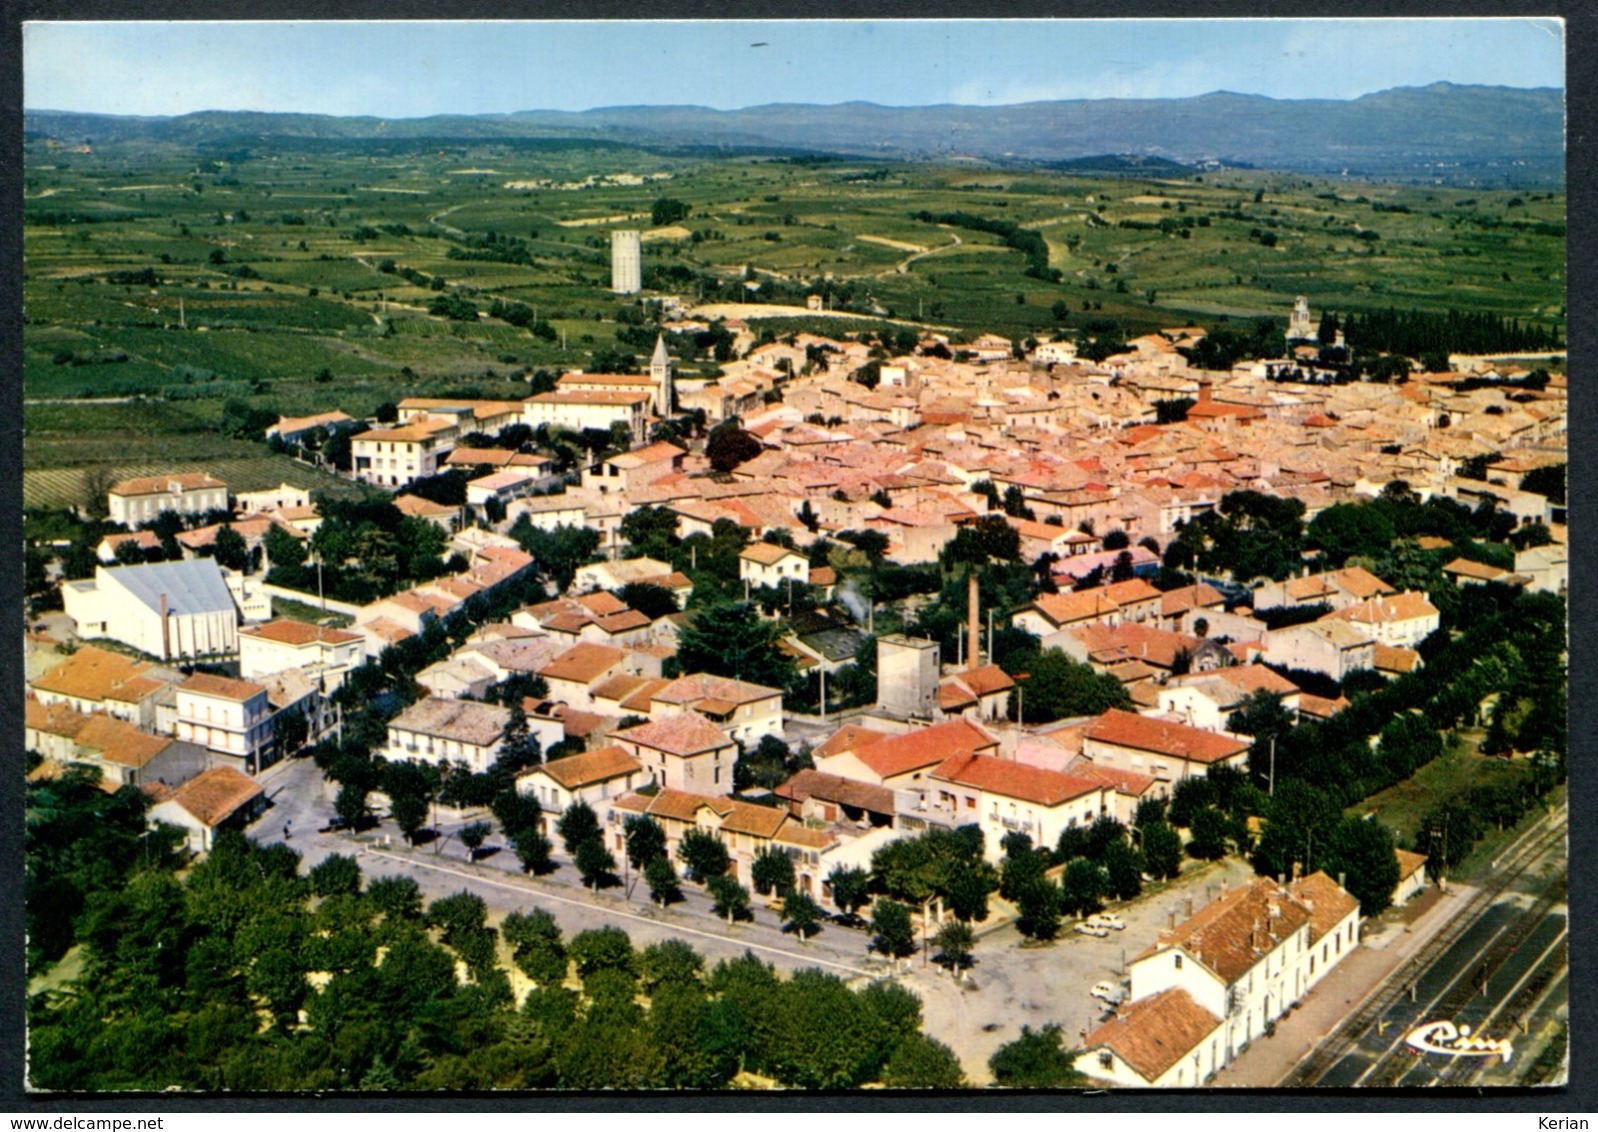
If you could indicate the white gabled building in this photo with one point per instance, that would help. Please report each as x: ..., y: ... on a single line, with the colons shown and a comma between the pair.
x: 321, y: 652
x: 396, y: 455
x: 448, y: 731
x: 166, y: 609
x: 229, y: 717
x: 139, y: 500
x: 766, y: 564
x: 1214, y: 983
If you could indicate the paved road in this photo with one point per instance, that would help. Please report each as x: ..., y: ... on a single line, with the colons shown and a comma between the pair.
x: 1010, y: 985
x: 301, y: 801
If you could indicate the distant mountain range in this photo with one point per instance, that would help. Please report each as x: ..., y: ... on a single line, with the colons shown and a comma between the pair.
x: 1460, y: 134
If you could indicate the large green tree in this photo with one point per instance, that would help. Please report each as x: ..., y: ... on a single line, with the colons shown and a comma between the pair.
x: 1362, y: 852
x: 1059, y: 687
x: 1037, y: 1059
x: 730, y: 640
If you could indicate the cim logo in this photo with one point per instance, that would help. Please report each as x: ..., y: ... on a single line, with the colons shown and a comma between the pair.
x: 1456, y: 1041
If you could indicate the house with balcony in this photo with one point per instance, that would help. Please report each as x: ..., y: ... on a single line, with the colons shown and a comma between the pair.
x: 1002, y: 796
x: 395, y: 455
x: 229, y: 717
x: 444, y: 732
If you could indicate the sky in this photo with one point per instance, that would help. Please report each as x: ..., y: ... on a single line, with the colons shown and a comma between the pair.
x: 416, y: 68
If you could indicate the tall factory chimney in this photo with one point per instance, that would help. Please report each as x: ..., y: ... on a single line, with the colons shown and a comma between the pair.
x: 973, y: 650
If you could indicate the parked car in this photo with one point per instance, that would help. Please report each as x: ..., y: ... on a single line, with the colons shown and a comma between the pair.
x: 1109, y: 992
x: 1108, y: 920
x: 1087, y: 927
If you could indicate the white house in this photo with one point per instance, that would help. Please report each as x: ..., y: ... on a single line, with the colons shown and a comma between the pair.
x: 1003, y: 796
x: 398, y: 454
x: 1244, y: 960
x: 448, y: 731
x: 1164, y: 1041
x: 220, y: 798
x: 95, y: 679
x: 230, y: 717
x: 321, y: 652
x: 139, y: 500
x: 578, y: 409
x: 593, y: 778
x: 765, y: 564
x: 1404, y: 619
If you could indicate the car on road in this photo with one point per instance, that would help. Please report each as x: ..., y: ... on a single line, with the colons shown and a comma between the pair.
x: 1088, y: 928
x: 1107, y: 920
x: 1109, y: 992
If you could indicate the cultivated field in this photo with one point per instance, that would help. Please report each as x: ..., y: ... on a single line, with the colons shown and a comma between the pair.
x: 300, y: 279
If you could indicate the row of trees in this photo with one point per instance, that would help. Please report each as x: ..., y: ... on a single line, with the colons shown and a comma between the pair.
x: 178, y: 973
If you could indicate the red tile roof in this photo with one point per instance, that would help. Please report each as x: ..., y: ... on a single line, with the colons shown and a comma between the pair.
x: 159, y: 485
x: 590, y: 767
x: 1231, y: 933
x: 1409, y: 863
x: 1126, y: 782
x: 1178, y: 740
x: 687, y: 690
x: 1152, y: 1034
x: 1011, y: 779
x: 767, y: 554
x: 583, y: 663
x: 217, y: 794
x: 809, y: 784
x: 1328, y: 905
x: 924, y: 747
x: 297, y: 633
x: 222, y: 687
x: 687, y: 734
x: 849, y: 737
x: 91, y: 674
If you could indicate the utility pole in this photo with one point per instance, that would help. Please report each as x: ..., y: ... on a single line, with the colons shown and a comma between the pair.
x: 823, y: 693
x: 1272, y: 791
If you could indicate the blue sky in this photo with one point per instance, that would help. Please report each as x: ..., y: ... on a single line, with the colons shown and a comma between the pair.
x: 412, y: 69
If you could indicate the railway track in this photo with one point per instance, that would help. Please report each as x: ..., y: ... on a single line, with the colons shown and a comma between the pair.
x: 1526, y: 851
